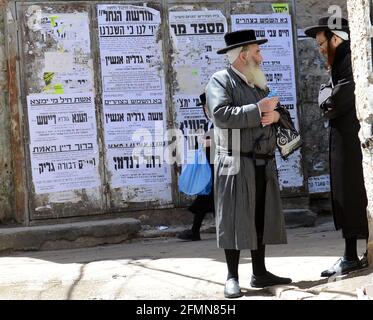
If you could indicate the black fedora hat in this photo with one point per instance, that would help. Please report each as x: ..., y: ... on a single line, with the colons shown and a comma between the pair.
x: 202, y: 99
x: 328, y: 23
x: 240, y: 38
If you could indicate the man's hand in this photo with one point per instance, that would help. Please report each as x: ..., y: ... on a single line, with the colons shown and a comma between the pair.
x: 207, y: 143
x: 270, y: 117
x: 268, y: 104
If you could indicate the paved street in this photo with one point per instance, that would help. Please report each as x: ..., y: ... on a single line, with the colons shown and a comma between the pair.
x: 167, y: 268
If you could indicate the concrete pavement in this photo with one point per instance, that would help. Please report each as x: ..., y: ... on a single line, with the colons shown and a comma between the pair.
x: 166, y: 268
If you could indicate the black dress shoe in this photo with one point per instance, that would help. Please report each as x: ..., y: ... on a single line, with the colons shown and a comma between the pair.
x: 342, y: 267
x: 267, y: 280
x: 364, y: 260
x: 232, y: 289
x: 188, y: 235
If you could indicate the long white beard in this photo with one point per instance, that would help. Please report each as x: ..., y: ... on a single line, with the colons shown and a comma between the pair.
x: 255, y: 75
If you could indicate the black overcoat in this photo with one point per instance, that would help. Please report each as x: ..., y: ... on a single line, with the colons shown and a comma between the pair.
x: 349, y: 200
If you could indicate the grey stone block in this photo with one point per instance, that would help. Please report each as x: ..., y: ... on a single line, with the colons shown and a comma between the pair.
x: 68, y: 235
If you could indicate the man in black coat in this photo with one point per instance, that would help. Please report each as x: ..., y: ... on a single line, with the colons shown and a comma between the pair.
x: 348, y: 194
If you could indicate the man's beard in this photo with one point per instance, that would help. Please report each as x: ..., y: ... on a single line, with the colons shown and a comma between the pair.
x: 255, y: 75
x: 330, y: 54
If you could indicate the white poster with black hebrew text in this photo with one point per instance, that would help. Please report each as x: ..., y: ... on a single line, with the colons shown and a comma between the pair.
x: 63, y: 142
x: 196, y: 36
x: 134, y: 102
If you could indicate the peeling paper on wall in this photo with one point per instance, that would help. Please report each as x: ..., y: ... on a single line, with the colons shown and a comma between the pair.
x: 66, y: 196
x: 320, y: 166
x: 67, y: 63
x: 58, y: 62
x: 289, y: 171
x: 189, y: 79
x: 159, y: 193
x: 34, y: 16
x: 196, y: 36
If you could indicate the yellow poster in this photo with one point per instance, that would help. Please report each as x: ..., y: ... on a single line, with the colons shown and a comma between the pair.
x: 280, y: 7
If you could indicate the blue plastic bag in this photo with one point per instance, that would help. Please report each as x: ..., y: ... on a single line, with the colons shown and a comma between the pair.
x: 196, y: 178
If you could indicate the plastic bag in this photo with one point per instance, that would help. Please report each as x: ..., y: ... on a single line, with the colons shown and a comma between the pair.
x: 196, y: 178
x: 325, y: 92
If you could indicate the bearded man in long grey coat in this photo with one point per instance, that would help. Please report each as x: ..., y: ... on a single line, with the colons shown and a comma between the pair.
x: 247, y: 197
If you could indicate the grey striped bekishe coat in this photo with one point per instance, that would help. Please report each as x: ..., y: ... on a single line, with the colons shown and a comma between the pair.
x: 237, y: 127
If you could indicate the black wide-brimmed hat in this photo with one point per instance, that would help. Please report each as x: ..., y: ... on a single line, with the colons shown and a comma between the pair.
x: 240, y: 38
x: 328, y: 23
x: 202, y: 99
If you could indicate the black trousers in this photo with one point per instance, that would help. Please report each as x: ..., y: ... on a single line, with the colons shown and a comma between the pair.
x: 260, y: 186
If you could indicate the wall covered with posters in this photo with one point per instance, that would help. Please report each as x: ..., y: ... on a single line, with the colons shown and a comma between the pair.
x: 108, y: 94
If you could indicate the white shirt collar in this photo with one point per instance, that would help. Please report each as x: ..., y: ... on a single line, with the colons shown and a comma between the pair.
x: 242, y: 76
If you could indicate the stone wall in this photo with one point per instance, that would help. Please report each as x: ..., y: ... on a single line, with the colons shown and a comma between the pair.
x: 361, y: 46
x: 308, y: 11
x: 312, y: 72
